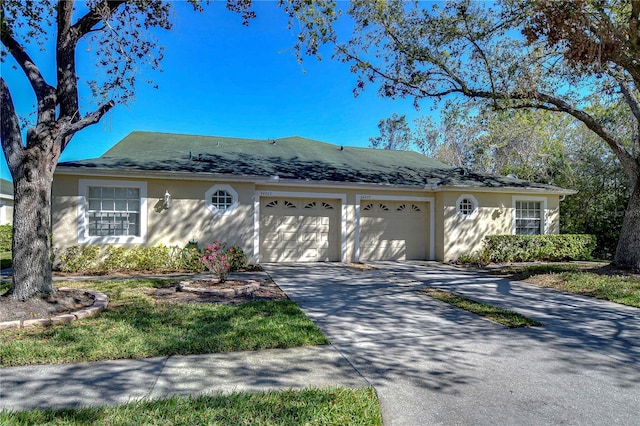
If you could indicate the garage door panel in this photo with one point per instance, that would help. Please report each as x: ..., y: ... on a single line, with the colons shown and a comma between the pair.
x: 393, y: 231
x: 289, y: 220
x: 306, y: 230
x: 271, y: 237
x: 307, y: 237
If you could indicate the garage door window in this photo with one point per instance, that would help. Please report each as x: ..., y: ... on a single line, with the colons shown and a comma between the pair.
x: 221, y: 199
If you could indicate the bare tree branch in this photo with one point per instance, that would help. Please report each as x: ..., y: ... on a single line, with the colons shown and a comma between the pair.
x: 626, y: 90
x: 45, y: 93
x: 10, y: 128
x: 74, y: 126
x: 85, y: 24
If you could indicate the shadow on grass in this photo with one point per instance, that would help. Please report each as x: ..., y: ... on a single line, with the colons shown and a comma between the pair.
x: 134, y: 325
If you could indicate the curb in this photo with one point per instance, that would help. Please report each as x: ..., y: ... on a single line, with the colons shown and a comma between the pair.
x: 100, y: 301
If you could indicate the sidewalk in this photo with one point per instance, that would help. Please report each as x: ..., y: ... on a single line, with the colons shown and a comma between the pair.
x: 115, y: 382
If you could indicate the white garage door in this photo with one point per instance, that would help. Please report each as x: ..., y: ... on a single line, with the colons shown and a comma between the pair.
x: 299, y: 230
x: 394, y: 230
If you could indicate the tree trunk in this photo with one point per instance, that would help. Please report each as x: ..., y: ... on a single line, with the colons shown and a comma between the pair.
x: 628, y: 250
x: 31, y: 231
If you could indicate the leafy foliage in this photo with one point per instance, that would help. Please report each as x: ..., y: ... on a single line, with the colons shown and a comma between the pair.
x: 215, y: 260
x: 527, y: 248
x: 513, y: 54
x: 95, y: 259
x: 545, y: 147
x: 77, y: 258
x: 6, y: 232
x: 394, y: 134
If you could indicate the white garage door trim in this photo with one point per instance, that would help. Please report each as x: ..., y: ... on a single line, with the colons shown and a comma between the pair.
x: 432, y: 222
x: 317, y: 195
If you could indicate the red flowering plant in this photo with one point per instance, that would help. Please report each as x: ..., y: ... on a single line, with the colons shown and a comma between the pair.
x: 215, y: 259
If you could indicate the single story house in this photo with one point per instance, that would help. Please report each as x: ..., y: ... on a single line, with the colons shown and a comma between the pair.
x: 290, y: 199
x: 6, y: 202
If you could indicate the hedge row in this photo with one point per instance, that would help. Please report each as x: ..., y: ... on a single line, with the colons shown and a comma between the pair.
x: 6, y: 231
x: 528, y: 248
x: 94, y: 259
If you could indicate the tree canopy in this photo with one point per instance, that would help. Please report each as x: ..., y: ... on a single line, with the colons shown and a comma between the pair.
x: 115, y: 39
x: 514, y: 54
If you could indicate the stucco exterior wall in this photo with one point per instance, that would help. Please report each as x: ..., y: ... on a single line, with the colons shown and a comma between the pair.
x: 189, y: 218
x: 495, y: 216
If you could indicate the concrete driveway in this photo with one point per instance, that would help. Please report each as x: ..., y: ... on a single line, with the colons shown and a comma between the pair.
x: 435, y: 364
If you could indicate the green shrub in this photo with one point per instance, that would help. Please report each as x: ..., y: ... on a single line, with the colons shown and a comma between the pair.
x: 236, y: 258
x: 115, y: 259
x: 528, y: 248
x: 190, y: 259
x: 76, y: 258
x: 6, y: 231
x: 480, y: 259
x: 139, y: 258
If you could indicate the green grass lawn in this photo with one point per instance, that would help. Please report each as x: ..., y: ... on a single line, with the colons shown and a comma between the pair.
x: 136, y: 326
x: 333, y: 406
x: 501, y: 316
x: 593, y: 281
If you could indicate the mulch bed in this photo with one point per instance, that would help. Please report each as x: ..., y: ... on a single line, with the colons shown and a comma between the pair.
x: 63, y: 302
x: 268, y: 290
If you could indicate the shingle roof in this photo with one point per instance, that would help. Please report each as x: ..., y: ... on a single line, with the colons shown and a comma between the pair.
x: 288, y: 158
x: 6, y: 187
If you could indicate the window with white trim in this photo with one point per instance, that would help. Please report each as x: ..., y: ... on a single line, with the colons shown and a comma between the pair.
x: 221, y: 199
x: 466, y: 206
x: 112, y: 211
x: 529, y: 217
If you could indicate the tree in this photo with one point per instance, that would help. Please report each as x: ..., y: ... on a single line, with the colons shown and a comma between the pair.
x: 517, y: 54
x: 544, y: 147
x: 121, y: 36
x: 528, y: 144
x: 394, y: 134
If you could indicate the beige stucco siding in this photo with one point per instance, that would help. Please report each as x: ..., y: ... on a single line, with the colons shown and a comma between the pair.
x: 494, y: 216
x: 64, y: 211
x: 187, y: 219
x: 439, y: 231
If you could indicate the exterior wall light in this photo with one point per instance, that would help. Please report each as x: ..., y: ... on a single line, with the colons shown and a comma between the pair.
x: 167, y: 200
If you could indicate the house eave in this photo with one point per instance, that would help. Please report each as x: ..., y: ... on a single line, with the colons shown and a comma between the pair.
x: 509, y: 189
x: 260, y: 180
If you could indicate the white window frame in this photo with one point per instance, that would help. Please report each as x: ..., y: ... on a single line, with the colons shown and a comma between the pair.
x: 83, y: 217
x: 221, y: 187
x: 475, y: 203
x: 543, y: 212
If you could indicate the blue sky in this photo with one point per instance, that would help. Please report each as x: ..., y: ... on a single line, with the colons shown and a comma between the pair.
x: 221, y: 78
